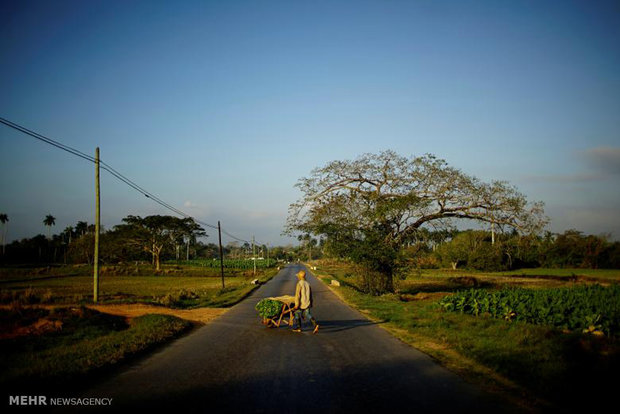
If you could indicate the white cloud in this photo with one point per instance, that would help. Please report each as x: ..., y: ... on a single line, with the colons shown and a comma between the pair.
x: 604, y: 159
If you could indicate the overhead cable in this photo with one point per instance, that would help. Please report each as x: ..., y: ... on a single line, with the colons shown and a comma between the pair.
x: 113, y: 172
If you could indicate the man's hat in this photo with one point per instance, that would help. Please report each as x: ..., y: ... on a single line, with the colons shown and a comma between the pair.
x: 301, y: 273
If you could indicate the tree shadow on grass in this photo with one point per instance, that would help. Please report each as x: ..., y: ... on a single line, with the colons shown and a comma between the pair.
x: 452, y: 284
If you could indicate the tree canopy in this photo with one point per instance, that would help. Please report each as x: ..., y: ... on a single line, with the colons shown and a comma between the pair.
x: 154, y: 233
x: 370, y: 207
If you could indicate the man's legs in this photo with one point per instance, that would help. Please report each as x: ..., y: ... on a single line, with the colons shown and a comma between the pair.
x: 308, y: 315
x: 305, y: 313
x: 297, y: 320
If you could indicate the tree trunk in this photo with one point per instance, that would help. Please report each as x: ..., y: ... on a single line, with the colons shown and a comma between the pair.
x: 454, y: 264
x: 157, y: 263
x: 389, y: 282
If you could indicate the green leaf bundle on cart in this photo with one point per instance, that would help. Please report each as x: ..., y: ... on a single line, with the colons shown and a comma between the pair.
x: 274, y: 309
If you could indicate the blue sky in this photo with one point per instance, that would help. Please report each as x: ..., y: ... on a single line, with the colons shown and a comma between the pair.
x: 220, y: 107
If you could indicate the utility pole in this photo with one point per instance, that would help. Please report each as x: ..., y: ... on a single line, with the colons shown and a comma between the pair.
x: 219, y: 232
x: 97, y: 228
x: 254, y: 256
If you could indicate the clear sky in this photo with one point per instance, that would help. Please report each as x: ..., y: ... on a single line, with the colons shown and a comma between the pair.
x: 219, y: 107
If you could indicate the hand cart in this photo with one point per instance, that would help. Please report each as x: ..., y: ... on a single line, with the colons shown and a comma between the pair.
x: 286, y: 314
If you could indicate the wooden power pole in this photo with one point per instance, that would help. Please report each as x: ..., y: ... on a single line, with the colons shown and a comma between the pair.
x: 219, y: 232
x: 97, y: 229
x: 254, y: 256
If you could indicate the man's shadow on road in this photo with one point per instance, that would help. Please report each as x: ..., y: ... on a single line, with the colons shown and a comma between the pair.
x: 343, y: 325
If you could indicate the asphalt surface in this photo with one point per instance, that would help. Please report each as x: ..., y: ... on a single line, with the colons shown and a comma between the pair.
x: 236, y: 364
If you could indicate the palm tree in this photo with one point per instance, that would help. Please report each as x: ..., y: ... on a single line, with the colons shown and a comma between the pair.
x: 80, y: 228
x: 4, y: 219
x: 68, y: 233
x: 49, y: 221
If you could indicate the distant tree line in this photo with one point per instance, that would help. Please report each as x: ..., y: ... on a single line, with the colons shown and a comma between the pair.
x: 149, y: 238
x: 475, y: 249
x: 153, y: 238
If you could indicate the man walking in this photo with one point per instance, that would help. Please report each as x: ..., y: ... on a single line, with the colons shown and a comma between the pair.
x: 303, y: 302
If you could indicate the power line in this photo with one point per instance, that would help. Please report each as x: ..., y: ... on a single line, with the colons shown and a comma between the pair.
x: 47, y: 140
x: 104, y: 166
x: 114, y: 173
x: 150, y: 195
x: 234, y: 237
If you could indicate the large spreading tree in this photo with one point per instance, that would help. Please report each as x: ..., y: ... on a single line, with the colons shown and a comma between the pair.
x: 153, y: 234
x: 369, y: 208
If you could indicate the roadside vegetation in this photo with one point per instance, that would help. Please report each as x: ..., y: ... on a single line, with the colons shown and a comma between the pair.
x: 40, y: 347
x: 563, y: 357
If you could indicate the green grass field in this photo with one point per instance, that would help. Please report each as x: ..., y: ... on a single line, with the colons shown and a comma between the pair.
x: 444, y: 280
x: 31, y: 272
x: 537, y: 366
x: 602, y: 274
x: 174, y: 286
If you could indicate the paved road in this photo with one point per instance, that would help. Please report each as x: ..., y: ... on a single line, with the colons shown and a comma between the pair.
x: 235, y: 364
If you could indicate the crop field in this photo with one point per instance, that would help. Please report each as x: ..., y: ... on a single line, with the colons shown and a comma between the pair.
x: 593, y: 309
x: 174, y: 286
